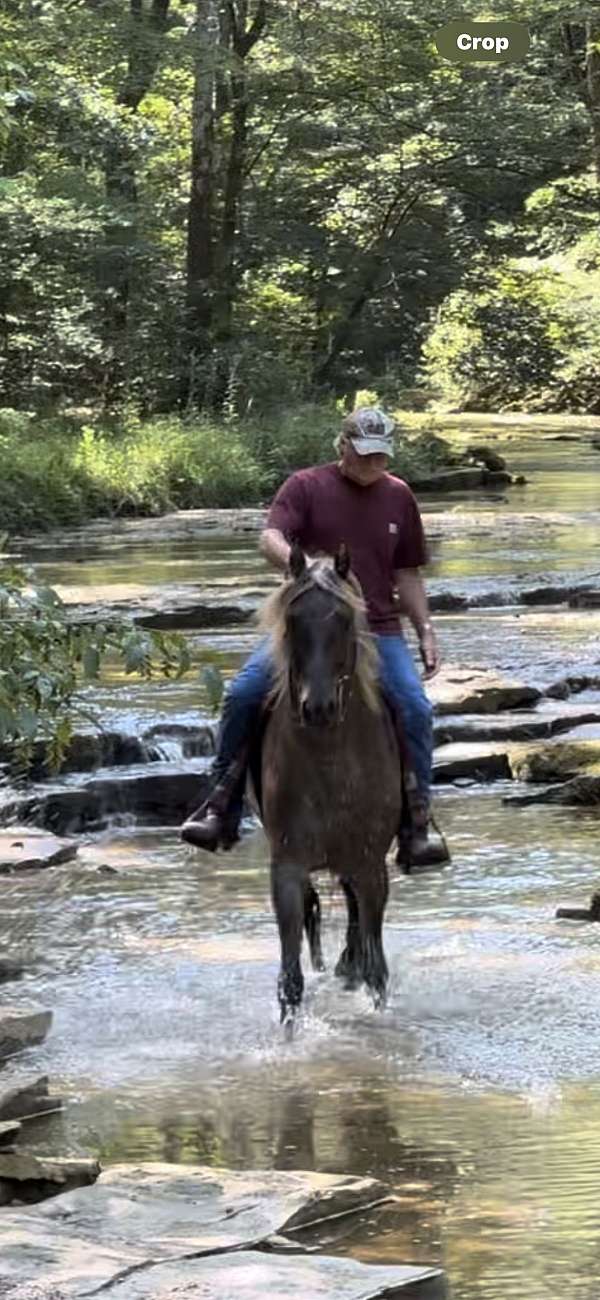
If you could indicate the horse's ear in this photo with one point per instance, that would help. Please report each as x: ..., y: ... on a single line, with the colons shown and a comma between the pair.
x: 297, y: 561
x: 342, y: 560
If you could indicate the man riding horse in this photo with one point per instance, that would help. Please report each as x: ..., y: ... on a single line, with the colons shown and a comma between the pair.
x: 353, y: 501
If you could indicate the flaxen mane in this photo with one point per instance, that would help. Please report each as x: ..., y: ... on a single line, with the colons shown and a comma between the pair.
x: 273, y: 618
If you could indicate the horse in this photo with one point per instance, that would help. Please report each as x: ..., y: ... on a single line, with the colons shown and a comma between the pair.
x: 330, y: 773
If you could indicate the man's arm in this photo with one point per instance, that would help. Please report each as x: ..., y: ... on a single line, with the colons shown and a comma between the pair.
x: 412, y: 600
x: 273, y: 546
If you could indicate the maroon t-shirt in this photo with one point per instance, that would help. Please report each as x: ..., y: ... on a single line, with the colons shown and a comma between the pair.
x: 380, y: 525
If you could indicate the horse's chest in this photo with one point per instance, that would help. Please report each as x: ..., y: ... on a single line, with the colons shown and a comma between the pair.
x: 324, y: 808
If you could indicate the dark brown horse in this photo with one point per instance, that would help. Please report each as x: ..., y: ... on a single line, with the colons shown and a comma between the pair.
x: 331, y: 779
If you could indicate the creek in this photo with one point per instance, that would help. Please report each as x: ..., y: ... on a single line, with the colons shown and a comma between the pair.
x: 477, y: 1093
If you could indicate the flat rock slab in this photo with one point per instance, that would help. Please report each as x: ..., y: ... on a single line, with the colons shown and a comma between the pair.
x: 471, y: 689
x: 167, y: 609
x: 526, y: 724
x: 23, y: 848
x: 27, y: 1099
x: 32, y: 1178
x: 480, y: 761
x: 22, y: 1026
x: 254, y: 1275
x: 136, y: 1215
x: 161, y: 794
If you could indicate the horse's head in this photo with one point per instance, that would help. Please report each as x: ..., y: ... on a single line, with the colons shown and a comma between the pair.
x: 321, y: 637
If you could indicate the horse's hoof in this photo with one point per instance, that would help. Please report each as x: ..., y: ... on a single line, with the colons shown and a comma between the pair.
x: 288, y: 1024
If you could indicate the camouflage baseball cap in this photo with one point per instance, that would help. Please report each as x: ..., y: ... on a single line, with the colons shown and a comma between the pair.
x: 370, y: 430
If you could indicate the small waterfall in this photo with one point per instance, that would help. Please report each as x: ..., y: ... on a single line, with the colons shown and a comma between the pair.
x: 163, y: 749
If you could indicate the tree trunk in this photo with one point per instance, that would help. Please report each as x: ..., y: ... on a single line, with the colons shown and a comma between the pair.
x: 211, y: 251
x: 148, y: 24
x: 200, y: 230
x: 592, y: 77
x: 581, y: 41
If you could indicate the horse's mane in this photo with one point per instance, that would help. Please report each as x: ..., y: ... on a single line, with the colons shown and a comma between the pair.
x: 273, y: 616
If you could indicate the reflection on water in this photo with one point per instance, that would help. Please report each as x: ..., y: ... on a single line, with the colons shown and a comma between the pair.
x: 477, y: 1093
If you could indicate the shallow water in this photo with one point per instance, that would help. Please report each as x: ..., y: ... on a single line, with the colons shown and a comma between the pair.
x: 477, y: 1092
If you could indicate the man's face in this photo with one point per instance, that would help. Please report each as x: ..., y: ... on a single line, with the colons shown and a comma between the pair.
x: 363, y: 470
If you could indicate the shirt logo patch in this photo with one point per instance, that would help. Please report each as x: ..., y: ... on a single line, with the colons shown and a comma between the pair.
x: 393, y: 528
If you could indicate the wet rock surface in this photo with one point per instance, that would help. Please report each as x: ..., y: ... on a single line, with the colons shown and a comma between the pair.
x: 525, y: 724
x: 21, y: 1027
x: 573, y: 768
x: 30, y: 1178
x: 471, y: 689
x: 560, y: 761
x: 481, y: 762
x: 153, y: 797
x: 146, y: 1230
x: 23, y: 848
x: 26, y: 1098
x: 582, y: 792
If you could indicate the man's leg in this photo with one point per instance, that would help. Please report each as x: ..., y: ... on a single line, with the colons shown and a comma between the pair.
x: 401, y: 682
x: 240, y: 715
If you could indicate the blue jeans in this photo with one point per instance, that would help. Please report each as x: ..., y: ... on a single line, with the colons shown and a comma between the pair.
x: 399, y: 680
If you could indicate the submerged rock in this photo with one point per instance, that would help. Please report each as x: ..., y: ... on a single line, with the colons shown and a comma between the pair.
x: 23, y: 847
x: 582, y: 791
x: 11, y: 968
x: 591, y: 913
x: 135, y: 1233
x: 254, y: 1275
x: 572, y: 684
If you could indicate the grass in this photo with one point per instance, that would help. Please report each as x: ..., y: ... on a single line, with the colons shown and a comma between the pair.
x: 61, y: 472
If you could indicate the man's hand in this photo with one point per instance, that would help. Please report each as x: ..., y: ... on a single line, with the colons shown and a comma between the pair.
x: 430, y: 653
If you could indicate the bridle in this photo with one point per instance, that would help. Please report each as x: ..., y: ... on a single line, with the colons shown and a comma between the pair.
x: 343, y: 687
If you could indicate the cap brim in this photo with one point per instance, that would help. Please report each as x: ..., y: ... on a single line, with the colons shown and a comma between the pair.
x: 372, y: 446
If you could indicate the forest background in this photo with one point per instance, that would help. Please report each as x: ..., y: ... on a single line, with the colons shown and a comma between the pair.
x: 221, y: 221
x: 224, y: 221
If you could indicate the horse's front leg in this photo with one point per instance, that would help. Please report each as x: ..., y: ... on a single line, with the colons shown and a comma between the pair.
x: 350, y: 963
x: 288, y: 885
x: 312, y: 925
x: 372, y: 894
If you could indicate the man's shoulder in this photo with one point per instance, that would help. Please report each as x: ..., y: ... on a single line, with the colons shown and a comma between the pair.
x: 398, y: 488
x: 312, y: 476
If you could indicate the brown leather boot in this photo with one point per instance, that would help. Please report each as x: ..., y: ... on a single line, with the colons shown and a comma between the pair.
x: 421, y: 849
x: 203, y: 829
x: 420, y: 843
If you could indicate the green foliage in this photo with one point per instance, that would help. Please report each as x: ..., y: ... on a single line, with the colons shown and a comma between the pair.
x: 529, y: 339
x: 45, y: 660
x: 369, y: 185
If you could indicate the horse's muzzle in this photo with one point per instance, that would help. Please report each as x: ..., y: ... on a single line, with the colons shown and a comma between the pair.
x: 320, y: 713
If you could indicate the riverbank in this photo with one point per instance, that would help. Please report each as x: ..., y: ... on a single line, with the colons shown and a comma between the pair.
x: 67, y: 471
